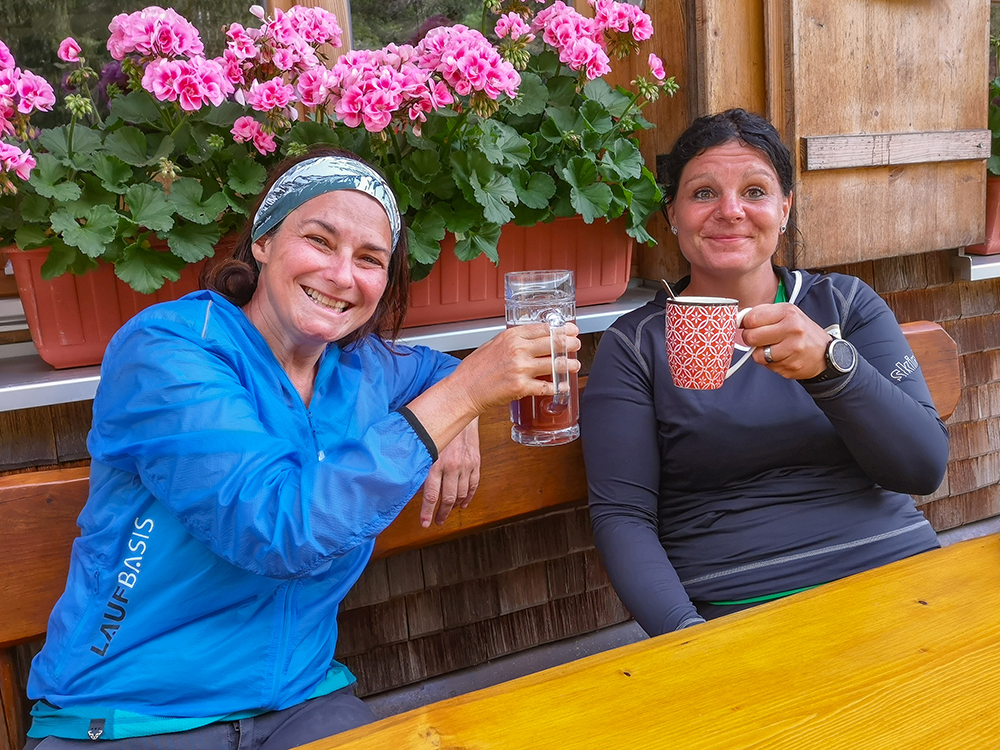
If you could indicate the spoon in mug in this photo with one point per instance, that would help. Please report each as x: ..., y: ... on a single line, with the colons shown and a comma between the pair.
x: 670, y: 292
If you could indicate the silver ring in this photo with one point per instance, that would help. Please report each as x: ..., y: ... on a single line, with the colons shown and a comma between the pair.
x: 767, y: 355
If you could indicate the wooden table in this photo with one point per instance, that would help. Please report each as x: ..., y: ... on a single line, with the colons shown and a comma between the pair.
x: 907, y: 656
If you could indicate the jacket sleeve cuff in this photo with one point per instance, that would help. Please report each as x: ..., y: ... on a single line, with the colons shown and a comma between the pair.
x: 422, y: 433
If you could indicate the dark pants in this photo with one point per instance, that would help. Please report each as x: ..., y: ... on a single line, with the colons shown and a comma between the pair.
x: 277, y: 730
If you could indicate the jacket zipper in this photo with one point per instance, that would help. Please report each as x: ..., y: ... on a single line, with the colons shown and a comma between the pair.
x: 279, y: 657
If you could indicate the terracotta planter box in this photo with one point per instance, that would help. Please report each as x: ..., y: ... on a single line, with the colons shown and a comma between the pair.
x: 72, y: 318
x: 599, y: 254
x: 992, y: 244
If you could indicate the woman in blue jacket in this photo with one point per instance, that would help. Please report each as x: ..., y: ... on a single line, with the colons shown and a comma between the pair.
x: 248, y: 444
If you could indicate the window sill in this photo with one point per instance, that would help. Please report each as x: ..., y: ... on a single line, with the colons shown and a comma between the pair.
x: 27, y: 382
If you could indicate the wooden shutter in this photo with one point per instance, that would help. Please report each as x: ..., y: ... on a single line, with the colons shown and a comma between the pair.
x: 883, y: 104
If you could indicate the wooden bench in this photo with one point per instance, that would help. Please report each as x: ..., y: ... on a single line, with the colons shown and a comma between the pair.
x: 38, y: 512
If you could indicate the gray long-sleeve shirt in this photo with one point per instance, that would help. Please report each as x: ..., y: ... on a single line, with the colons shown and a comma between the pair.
x: 767, y: 484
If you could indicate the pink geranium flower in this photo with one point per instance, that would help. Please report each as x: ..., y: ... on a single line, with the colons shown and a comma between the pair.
x: 273, y: 94
x: 13, y: 159
x: 69, y: 50
x: 656, y: 67
x: 6, y: 59
x: 244, y: 128
x: 264, y: 141
x: 35, y: 93
x: 513, y: 26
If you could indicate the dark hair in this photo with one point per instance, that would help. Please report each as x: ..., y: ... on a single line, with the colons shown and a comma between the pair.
x: 236, y: 278
x: 714, y: 130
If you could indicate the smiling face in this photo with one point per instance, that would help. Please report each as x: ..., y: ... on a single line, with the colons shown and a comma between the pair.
x: 323, y: 272
x: 728, y: 211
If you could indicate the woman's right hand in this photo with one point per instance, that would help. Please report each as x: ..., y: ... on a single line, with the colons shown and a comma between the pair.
x: 508, y: 367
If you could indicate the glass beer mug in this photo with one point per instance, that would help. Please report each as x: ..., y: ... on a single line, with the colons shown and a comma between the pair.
x: 545, y: 297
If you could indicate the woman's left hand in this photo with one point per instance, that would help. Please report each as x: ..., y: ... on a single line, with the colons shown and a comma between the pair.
x: 795, y: 343
x: 454, y: 477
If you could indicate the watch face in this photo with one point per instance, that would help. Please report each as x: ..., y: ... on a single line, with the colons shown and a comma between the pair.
x: 841, y: 355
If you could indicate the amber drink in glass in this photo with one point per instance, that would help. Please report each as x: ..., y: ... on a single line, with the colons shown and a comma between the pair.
x: 545, y: 297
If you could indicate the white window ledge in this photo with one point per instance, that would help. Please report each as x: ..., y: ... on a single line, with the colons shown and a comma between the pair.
x: 976, y: 267
x: 27, y: 382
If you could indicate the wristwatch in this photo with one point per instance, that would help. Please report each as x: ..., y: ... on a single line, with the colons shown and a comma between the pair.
x: 841, y: 358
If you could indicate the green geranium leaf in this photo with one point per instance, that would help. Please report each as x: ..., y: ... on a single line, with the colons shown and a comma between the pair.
x: 591, y: 202
x: 192, y: 242
x: 562, y: 91
x: 423, y: 142
x: 145, y: 269
x: 238, y: 203
x: 468, y: 167
x: 590, y: 198
x: 160, y: 147
x: 528, y: 217
x: 113, y: 173
x: 49, y: 180
x: 246, y: 176
x: 430, y: 223
x: 596, y: 116
x: 150, y: 208
x: 591, y: 142
x: 645, y: 197
x: 29, y: 236
x: 34, y: 208
x: 137, y: 107
x: 85, y: 143
x: 423, y: 250
x: 185, y: 197
x: 993, y: 165
x: 100, y: 227
x: 533, y: 189
x: 222, y: 116
x: 482, y: 241
x: 459, y: 216
x: 641, y: 235
x: 309, y: 133
x: 531, y: 96
x: 566, y: 119
x: 129, y: 145
x: 614, y: 101
x: 501, y: 144
x: 547, y: 63
x: 550, y: 132
x: 442, y: 186
x: 62, y: 258
x: 494, y: 197
x: 404, y: 196
x: 623, y: 160
x: 423, y: 166
x: 92, y: 194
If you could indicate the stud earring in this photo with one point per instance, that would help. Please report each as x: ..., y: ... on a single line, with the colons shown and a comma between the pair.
x: 673, y: 229
x: 783, y: 228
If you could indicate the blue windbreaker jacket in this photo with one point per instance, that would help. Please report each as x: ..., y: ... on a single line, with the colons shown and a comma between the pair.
x: 226, y: 521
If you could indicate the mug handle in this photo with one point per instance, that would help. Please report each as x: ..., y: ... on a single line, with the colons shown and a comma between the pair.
x: 739, y: 322
x: 557, y: 325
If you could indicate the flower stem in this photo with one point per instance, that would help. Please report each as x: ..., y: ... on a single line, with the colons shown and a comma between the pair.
x: 616, y: 130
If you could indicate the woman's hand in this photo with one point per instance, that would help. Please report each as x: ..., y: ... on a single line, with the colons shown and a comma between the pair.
x: 504, y: 369
x: 508, y: 366
x: 797, y: 345
x: 454, y: 477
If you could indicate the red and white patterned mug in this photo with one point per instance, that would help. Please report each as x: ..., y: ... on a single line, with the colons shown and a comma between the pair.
x: 701, y: 333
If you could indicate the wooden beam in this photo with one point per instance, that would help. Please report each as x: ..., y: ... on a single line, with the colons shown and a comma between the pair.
x: 889, y: 149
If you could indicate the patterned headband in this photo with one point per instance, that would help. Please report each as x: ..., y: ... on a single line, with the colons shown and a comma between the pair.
x: 324, y: 174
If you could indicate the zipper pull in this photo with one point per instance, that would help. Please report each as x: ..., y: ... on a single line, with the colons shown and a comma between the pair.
x: 96, y: 729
